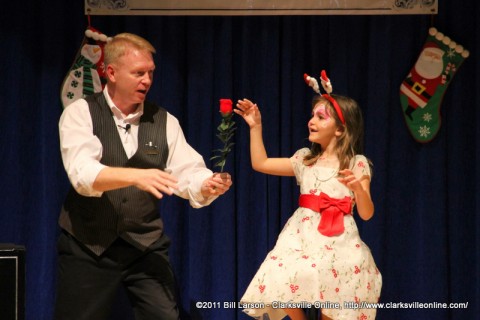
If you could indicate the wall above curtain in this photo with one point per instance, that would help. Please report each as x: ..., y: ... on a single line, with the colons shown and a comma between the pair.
x: 259, y: 7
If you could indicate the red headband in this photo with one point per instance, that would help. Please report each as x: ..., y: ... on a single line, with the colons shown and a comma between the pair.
x: 336, y: 106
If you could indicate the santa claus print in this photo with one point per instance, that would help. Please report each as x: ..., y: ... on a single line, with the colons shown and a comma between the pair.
x: 422, y: 90
x: 423, y: 80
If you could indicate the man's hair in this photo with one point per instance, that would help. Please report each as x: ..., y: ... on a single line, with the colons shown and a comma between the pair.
x: 121, y: 43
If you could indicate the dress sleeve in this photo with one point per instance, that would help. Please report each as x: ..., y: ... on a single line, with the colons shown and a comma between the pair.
x: 297, y: 163
x: 360, y: 166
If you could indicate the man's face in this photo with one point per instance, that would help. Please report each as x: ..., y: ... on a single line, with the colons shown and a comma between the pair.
x: 132, y: 76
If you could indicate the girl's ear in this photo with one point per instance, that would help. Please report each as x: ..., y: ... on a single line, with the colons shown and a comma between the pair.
x: 340, y: 130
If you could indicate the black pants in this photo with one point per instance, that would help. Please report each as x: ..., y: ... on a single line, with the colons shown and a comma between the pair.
x: 88, y: 284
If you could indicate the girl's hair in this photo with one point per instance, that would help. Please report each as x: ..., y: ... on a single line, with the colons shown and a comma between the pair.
x: 119, y: 45
x: 350, y: 142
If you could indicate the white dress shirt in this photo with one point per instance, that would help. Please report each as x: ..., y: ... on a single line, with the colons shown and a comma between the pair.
x: 81, y: 151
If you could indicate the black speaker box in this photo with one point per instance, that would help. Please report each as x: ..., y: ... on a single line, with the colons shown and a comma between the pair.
x: 12, y: 282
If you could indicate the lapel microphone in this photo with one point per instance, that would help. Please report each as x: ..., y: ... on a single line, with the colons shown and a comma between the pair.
x: 126, y: 128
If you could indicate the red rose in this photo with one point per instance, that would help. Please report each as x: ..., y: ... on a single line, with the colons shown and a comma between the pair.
x: 226, y: 130
x: 226, y: 106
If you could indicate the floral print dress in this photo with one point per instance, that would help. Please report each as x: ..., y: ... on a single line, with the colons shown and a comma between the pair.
x: 306, y: 268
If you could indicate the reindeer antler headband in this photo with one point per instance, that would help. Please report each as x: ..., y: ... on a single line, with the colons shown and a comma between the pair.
x: 327, y: 86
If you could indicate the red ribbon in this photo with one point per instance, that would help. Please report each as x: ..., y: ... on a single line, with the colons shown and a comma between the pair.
x: 332, y: 210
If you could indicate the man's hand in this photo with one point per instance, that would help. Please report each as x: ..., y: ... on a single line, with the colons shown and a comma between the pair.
x: 155, y: 181
x: 216, y: 185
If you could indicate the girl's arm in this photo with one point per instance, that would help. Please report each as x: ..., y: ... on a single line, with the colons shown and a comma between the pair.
x: 260, y: 160
x: 361, y: 190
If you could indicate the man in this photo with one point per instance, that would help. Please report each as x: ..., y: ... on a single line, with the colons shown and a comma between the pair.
x: 122, y: 154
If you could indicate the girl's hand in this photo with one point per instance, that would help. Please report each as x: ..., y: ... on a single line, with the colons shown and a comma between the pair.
x: 249, y: 112
x: 350, y: 181
x: 361, y: 189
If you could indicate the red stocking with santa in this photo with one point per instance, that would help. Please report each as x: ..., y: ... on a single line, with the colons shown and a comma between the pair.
x: 422, y: 91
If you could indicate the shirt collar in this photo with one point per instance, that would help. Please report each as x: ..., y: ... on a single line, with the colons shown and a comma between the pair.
x: 131, y: 118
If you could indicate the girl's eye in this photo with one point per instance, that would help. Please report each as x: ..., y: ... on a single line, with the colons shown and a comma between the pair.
x: 320, y: 112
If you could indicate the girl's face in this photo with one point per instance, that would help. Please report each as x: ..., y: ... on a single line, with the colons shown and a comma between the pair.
x: 322, y: 126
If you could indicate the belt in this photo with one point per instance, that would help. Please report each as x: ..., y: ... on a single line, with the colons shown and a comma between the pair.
x: 332, y: 210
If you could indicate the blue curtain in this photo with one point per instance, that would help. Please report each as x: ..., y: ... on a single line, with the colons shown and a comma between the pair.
x: 424, y: 235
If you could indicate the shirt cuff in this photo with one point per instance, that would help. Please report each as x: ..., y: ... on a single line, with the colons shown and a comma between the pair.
x: 196, y: 199
x: 85, y: 185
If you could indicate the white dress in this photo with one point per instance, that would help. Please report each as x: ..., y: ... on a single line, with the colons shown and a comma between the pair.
x: 308, y: 269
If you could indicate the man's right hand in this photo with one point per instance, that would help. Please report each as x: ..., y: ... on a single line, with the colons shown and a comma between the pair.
x: 154, y: 181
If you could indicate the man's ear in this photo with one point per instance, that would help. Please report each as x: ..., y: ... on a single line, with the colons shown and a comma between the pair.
x: 110, y: 73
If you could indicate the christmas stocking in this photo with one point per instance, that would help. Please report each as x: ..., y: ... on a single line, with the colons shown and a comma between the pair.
x: 422, y: 91
x: 87, y: 74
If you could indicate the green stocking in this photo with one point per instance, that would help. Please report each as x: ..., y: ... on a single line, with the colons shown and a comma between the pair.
x: 422, y: 91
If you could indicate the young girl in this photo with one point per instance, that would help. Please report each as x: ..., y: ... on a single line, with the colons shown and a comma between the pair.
x: 319, y: 259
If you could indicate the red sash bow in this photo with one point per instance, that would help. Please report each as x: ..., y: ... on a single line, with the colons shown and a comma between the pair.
x: 332, y: 210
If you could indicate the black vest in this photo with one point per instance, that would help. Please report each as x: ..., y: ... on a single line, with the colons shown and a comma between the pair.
x: 127, y: 212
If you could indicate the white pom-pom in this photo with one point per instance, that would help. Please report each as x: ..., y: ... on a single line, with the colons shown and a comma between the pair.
x: 446, y: 40
x: 452, y: 45
x: 97, y: 36
x: 439, y: 36
x: 432, y: 31
x: 465, y: 53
